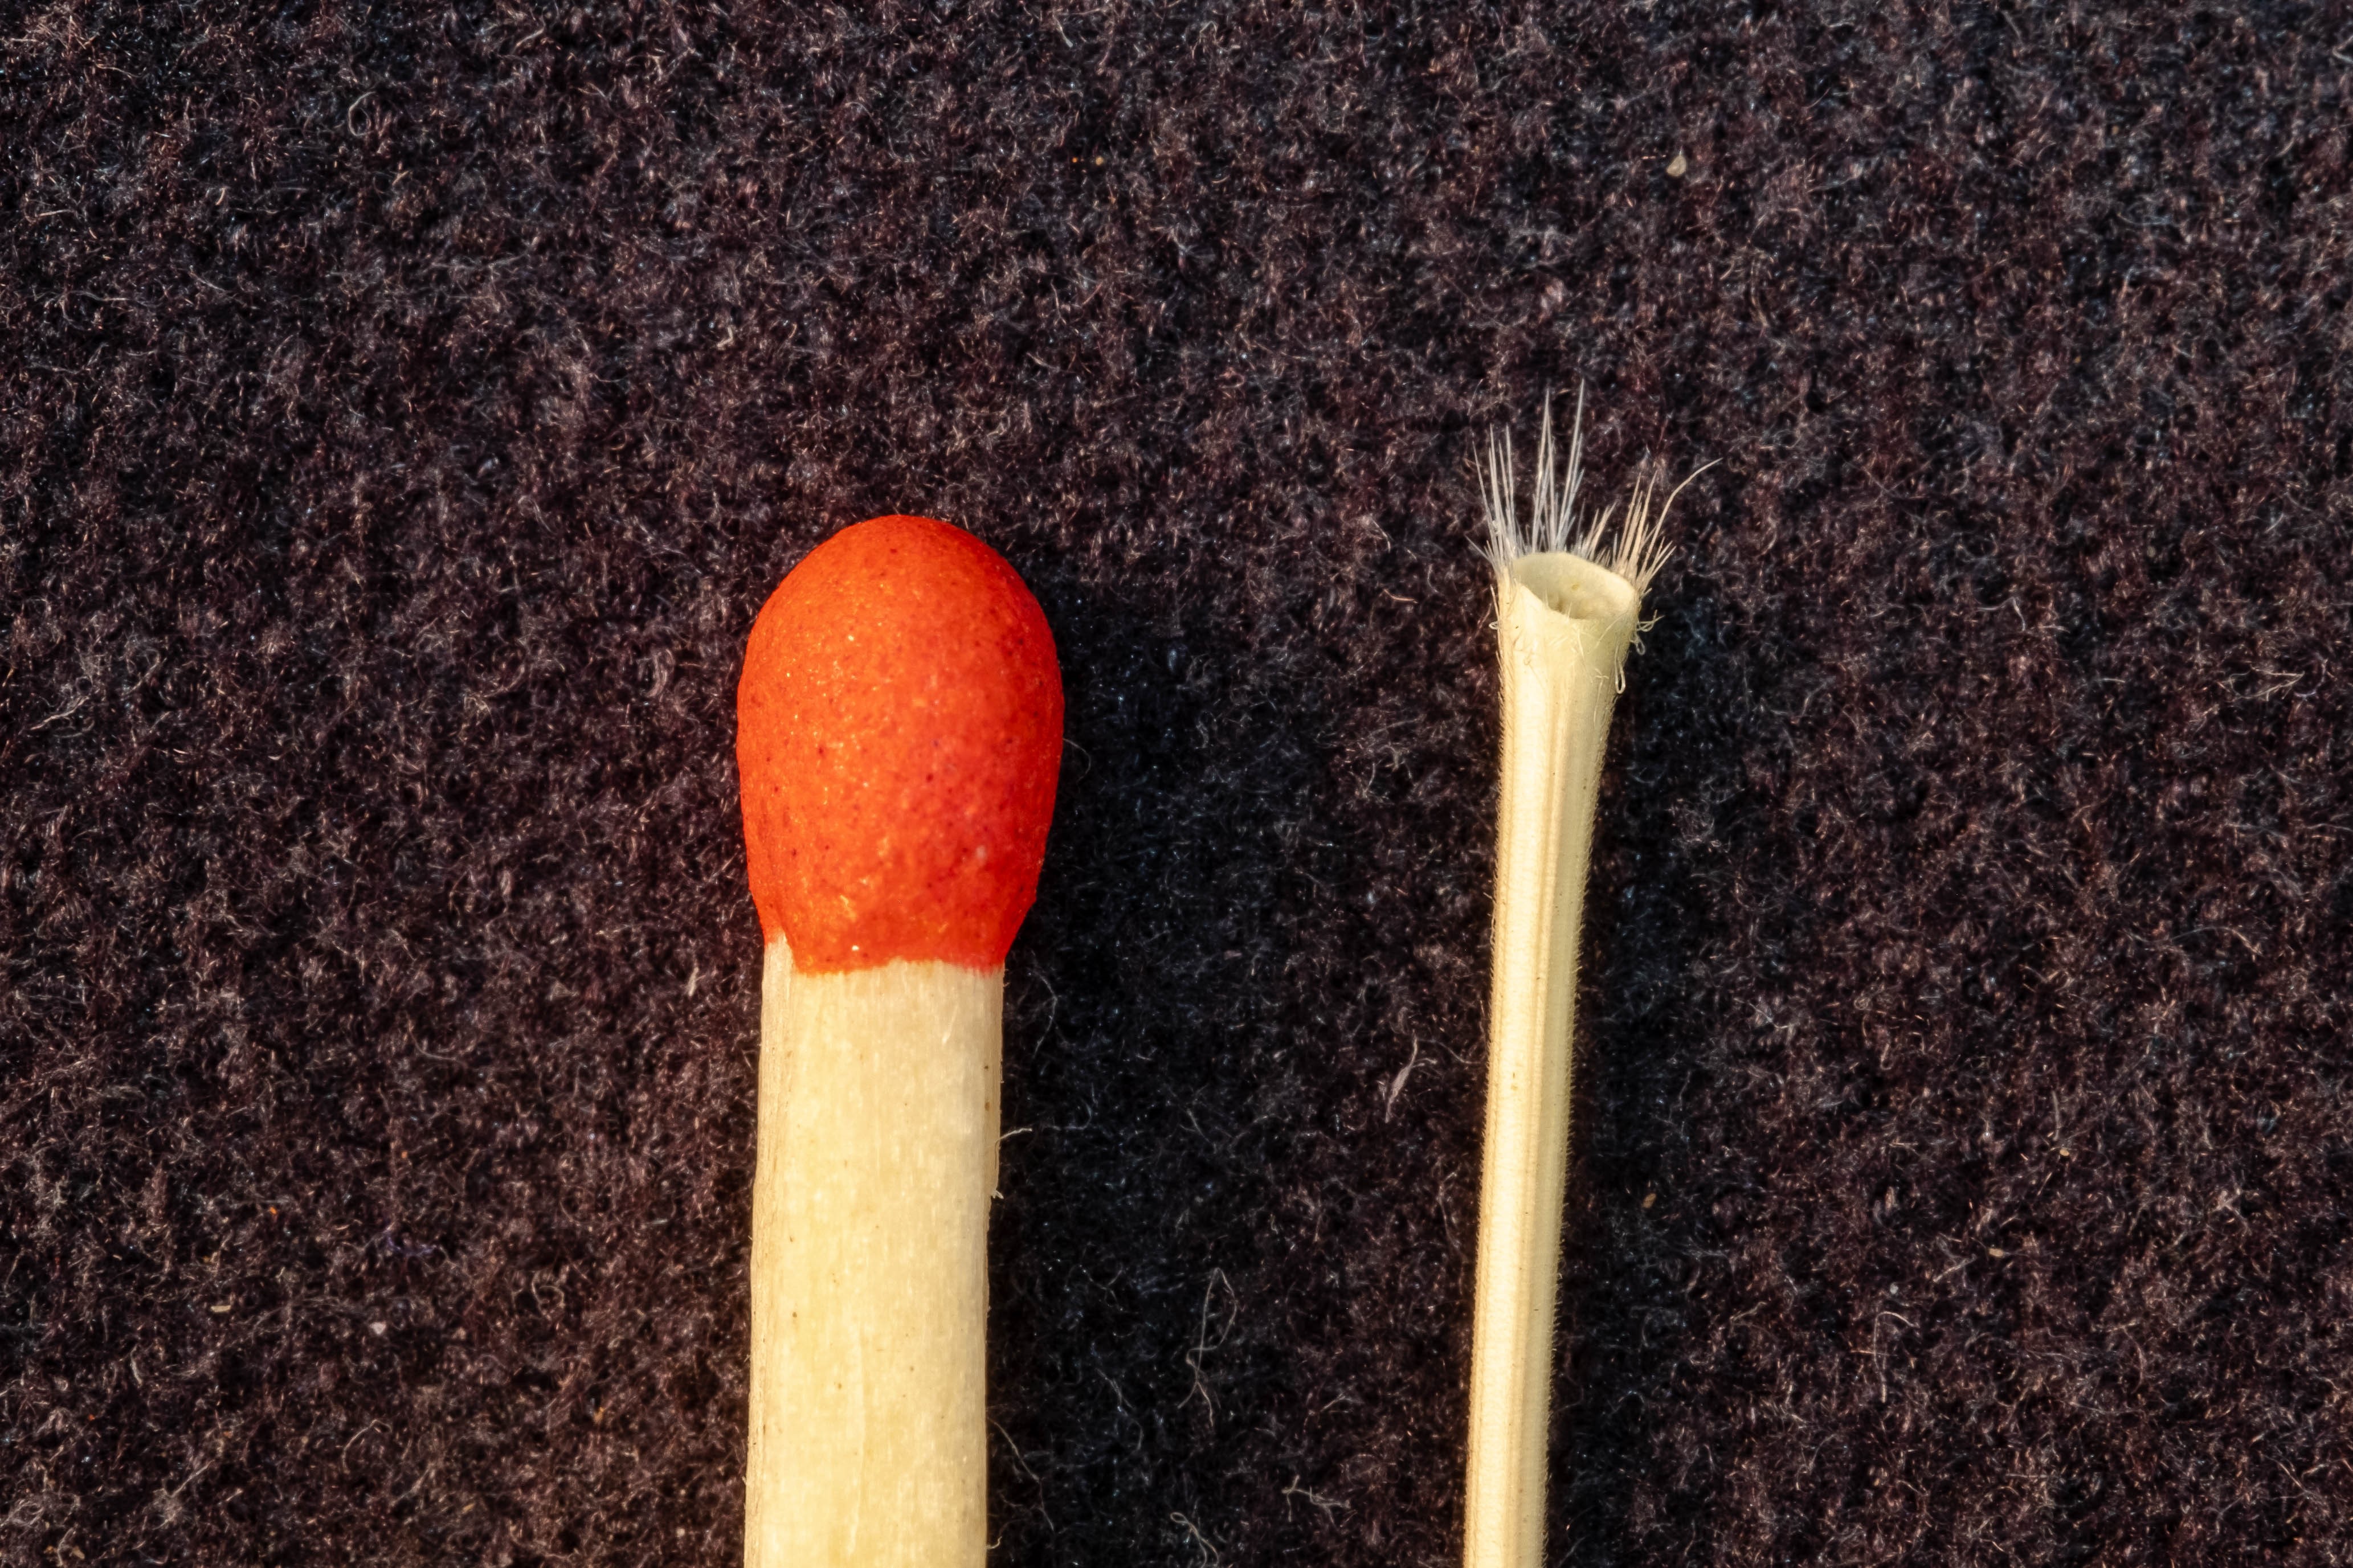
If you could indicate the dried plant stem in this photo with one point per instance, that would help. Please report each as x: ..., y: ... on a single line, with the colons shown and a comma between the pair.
x: 1566, y: 622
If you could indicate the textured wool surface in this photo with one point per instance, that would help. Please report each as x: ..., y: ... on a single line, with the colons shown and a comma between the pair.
x: 405, y: 410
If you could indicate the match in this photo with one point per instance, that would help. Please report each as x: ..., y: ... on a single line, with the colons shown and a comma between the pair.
x: 899, y: 738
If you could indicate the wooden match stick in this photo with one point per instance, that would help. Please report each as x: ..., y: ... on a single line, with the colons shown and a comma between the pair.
x: 898, y: 735
x: 1567, y: 611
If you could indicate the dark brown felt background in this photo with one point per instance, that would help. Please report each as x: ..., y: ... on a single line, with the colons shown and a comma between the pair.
x: 403, y: 412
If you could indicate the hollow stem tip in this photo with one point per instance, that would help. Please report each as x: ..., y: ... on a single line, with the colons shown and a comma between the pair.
x: 899, y: 736
x: 1568, y: 602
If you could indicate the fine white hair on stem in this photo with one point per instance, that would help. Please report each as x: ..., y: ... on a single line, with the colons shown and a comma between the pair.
x: 1634, y: 550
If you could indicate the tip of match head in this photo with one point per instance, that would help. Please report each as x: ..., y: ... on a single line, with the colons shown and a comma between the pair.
x: 898, y: 734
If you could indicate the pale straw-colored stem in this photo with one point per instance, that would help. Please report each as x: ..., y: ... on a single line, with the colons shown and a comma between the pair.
x: 870, y: 1267
x: 1566, y: 624
x: 1565, y: 621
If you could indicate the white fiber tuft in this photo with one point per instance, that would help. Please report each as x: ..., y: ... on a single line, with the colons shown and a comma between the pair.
x: 1634, y: 550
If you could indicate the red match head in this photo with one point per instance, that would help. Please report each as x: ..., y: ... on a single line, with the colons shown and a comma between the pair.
x: 899, y: 731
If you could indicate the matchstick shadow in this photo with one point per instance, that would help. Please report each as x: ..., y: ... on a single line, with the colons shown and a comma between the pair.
x: 1134, y: 1154
x: 1231, y: 1269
